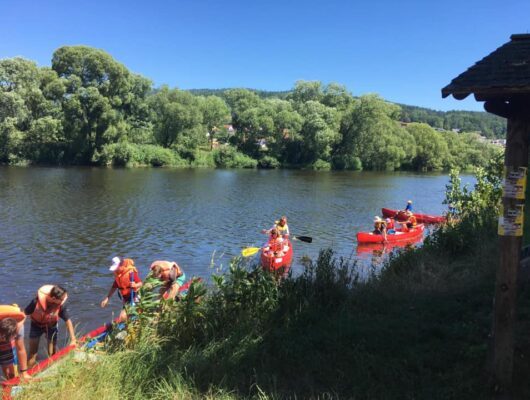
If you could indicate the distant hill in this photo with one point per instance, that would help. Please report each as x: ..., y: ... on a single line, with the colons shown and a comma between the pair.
x: 489, y: 125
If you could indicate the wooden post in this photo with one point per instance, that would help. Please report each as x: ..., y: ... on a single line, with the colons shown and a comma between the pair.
x: 506, y: 282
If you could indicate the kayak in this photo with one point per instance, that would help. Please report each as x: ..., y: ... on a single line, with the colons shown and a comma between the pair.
x: 421, y: 218
x: 12, y: 386
x: 277, y: 261
x: 400, y: 236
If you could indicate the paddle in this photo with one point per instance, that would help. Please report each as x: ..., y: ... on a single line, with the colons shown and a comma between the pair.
x: 307, y: 239
x: 250, y: 251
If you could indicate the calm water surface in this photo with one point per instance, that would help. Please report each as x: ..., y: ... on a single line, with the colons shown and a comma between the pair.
x: 63, y: 225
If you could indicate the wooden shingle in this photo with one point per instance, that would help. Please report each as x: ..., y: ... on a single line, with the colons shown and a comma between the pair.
x: 502, y: 74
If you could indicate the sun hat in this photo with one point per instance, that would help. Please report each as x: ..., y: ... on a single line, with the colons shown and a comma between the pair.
x: 115, y: 264
x: 410, y: 201
x: 377, y: 219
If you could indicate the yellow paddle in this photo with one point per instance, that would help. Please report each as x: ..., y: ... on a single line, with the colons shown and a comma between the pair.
x: 250, y: 251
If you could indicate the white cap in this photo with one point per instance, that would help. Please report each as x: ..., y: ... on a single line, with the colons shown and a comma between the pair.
x: 115, y: 264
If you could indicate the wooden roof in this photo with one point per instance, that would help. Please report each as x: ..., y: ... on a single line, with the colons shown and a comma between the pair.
x: 502, y: 74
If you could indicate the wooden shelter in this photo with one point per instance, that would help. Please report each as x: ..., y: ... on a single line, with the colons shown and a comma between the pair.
x: 502, y: 81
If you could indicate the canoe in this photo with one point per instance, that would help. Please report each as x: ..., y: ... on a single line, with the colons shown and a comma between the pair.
x: 279, y: 261
x: 12, y: 386
x: 398, y: 237
x: 380, y: 248
x: 421, y: 218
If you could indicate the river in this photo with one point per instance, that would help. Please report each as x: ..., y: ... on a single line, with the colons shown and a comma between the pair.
x: 64, y: 225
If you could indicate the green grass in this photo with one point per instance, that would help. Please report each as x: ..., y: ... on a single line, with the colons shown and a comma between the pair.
x: 420, y: 330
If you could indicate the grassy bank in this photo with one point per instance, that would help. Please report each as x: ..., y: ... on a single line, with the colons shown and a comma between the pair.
x: 418, y: 331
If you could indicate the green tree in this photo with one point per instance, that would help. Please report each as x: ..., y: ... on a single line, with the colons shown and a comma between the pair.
x: 177, y: 118
x: 215, y: 114
x: 431, y: 148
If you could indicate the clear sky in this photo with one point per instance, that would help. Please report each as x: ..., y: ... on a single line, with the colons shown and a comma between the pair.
x: 404, y: 50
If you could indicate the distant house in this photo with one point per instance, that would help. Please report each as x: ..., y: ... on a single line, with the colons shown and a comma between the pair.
x: 499, y: 142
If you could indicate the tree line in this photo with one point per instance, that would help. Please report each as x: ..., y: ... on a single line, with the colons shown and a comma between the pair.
x: 87, y: 108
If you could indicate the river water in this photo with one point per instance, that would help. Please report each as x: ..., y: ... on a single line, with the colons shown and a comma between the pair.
x: 63, y: 225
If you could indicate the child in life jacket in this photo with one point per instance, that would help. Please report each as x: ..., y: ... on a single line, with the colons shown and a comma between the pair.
x: 45, y: 310
x: 11, y: 338
x: 126, y: 281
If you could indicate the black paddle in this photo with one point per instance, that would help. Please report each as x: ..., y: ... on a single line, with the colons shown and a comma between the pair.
x: 307, y: 239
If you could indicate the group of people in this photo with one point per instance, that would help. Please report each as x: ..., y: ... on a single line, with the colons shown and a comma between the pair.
x: 278, y: 235
x: 49, y: 305
x: 388, y: 225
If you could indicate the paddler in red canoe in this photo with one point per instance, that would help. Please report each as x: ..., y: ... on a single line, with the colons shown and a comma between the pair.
x: 275, y: 243
x: 171, y: 275
x: 126, y: 280
x: 379, y: 227
x: 282, y: 228
x: 410, y: 223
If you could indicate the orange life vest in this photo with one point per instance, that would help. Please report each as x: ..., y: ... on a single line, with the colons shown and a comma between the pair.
x: 46, y: 313
x: 167, y: 266
x: 412, y: 220
x: 11, y: 311
x: 122, y: 276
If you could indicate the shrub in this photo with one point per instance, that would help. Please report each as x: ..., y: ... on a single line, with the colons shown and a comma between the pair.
x: 203, y: 159
x: 349, y: 162
x: 321, y: 165
x: 228, y: 157
x: 128, y: 154
x: 268, y: 162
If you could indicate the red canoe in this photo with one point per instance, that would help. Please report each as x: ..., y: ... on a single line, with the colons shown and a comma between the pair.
x: 370, y: 248
x: 277, y: 261
x: 421, y: 218
x: 398, y: 237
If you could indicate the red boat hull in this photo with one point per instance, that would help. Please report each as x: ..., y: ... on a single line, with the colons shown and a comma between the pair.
x: 398, y: 237
x: 421, y: 218
x: 277, y: 262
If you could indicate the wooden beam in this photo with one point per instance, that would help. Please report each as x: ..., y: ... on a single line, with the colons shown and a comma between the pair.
x: 506, y: 281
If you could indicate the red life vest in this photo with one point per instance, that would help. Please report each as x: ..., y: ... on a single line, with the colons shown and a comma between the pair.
x: 122, y: 276
x: 47, y: 310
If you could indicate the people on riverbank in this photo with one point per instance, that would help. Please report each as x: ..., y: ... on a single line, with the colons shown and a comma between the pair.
x: 126, y: 281
x: 172, y: 276
x: 45, y: 310
x: 11, y: 340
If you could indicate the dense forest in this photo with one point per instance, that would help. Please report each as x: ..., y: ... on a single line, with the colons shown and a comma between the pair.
x: 87, y: 108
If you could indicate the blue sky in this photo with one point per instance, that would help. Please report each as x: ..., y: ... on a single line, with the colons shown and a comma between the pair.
x: 406, y: 51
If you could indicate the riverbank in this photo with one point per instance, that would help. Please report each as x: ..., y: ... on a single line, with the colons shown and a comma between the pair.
x: 419, y: 330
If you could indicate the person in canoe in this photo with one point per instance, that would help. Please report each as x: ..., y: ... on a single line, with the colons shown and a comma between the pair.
x: 390, y: 226
x: 275, y: 244
x: 11, y: 338
x: 282, y: 228
x: 408, y: 207
x: 379, y: 227
x: 172, y: 276
x: 409, y: 223
x: 126, y: 281
x: 45, y: 310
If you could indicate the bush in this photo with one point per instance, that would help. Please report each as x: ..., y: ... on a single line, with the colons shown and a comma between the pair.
x: 228, y: 157
x: 268, y: 162
x: 321, y: 165
x: 203, y: 159
x: 128, y: 154
x: 348, y: 162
